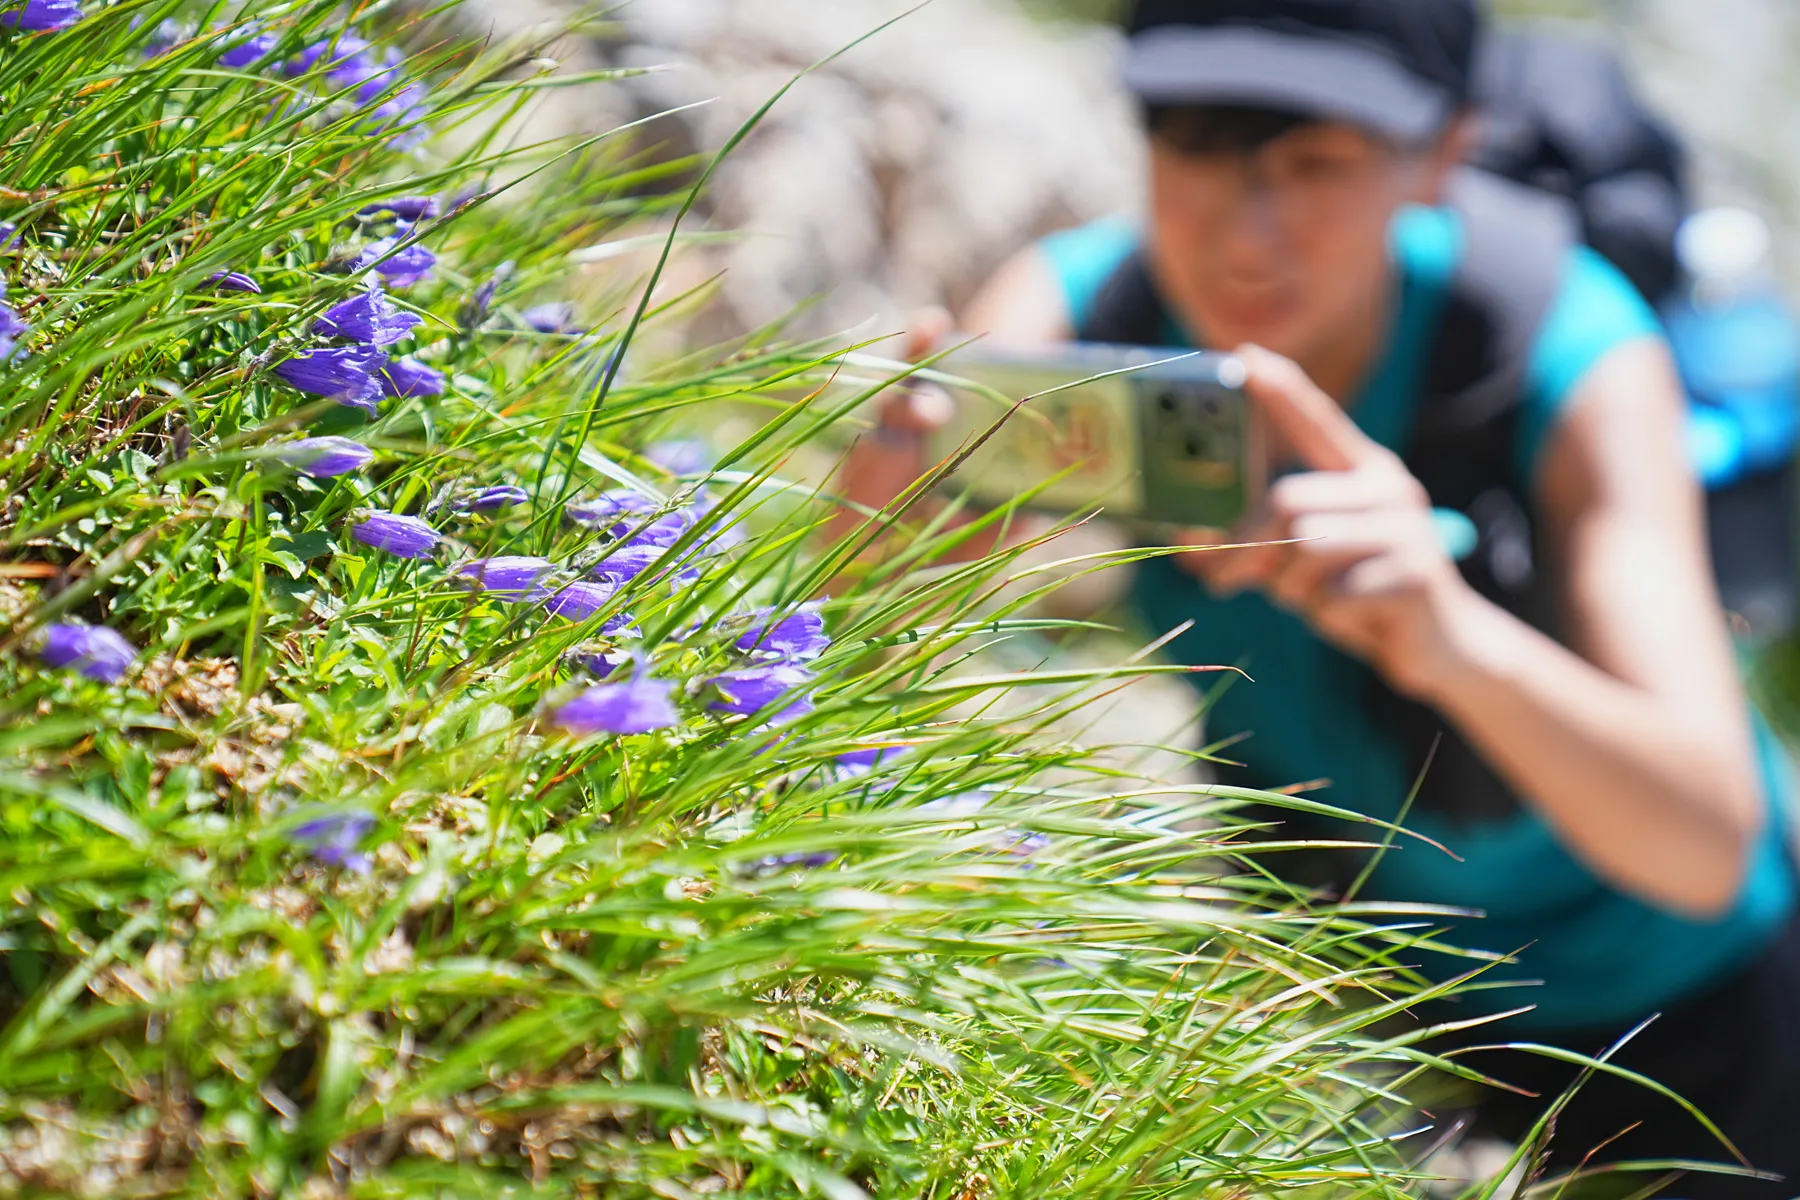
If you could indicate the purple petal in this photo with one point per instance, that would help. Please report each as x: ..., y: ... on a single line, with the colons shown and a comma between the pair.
x: 405, y: 208
x: 639, y: 706
x: 407, y: 537
x: 625, y: 563
x: 861, y: 762
x: 334, y: 839
x: 409, y: 377
x: 248, y: 52
x: 753, y: 690
x: 233, y: 281
x: 324, y: 457
x: 12, y: 328
x: 580, y: 600
x: 401, y: 265
x: 509, y: 578
x: 343, y: 373
x: 557, y: 317
x: 799, y: 636
x: 490, y: 498
x: 333, y: 51
x: 40, y: 15
x: 369, y: 317
x: 94, y: 650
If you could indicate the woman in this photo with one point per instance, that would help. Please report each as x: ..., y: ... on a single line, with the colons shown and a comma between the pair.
x: 1613, y: 811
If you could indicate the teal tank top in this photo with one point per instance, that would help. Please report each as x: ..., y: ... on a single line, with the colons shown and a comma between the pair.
x: 1595, y: 956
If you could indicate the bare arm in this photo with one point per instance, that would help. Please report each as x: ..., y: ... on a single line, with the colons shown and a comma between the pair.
x: 1633, y: 741
x: 1635, y: 744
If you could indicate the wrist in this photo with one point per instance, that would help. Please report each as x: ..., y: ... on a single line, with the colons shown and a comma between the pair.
x: 1475, y: 643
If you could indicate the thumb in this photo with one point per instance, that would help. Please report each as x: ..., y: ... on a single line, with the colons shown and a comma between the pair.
x: 1319, y: 430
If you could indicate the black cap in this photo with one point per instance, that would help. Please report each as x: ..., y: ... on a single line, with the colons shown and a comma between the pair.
x: 1401, y: 68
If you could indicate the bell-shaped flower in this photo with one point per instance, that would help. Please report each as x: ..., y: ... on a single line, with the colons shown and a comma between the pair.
x: 489, y: 499
x: 637, y: 706
x: 248, y: 52
x: 368, y: 317
x: 580, y: 600
x: 754, y: 689
x: 797, y: 637
x: 95, y: 651
x: 509, y: 577
x: 403, y: 208
x: 12, y: 328
x: 624, y: 563
x: 37, y: 16
x: 233, y: 281
x: 401, y: 265
x: 342, y: 373
x: 334, y: 51
x: 555, y: 317
x: 336, y: 839
x: 408, y: 377
x: 324, y: 457
x: 406, y: 537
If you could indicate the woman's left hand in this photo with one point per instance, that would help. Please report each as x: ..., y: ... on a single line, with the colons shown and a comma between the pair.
x: 1362, y: 561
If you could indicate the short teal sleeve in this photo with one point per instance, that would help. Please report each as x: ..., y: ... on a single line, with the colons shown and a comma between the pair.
x: 1596, y: 312
x: 1084, y: 258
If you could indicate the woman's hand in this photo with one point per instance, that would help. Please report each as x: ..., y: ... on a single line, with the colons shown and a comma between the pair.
x: 1350, y: 544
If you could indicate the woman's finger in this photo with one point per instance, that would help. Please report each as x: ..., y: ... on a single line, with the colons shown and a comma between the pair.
x: 1319, y: 431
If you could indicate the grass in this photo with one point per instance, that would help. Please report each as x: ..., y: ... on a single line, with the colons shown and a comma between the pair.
x: 713, y: 957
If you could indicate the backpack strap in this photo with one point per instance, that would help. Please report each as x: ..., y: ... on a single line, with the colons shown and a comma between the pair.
x: 1516, y: 241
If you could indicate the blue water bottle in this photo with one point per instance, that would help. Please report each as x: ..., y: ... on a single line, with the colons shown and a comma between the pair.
x: 1738, y: 346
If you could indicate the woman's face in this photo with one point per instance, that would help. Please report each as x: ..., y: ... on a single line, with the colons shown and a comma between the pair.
x: 1285, y: 245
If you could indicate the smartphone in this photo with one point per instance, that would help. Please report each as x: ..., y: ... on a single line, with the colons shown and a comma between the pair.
x: 1151, y: 436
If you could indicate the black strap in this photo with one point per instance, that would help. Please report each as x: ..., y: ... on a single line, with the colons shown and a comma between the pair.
x: 1516, y: 242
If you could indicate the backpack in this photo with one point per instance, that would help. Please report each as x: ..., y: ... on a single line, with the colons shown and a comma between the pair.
x: 1558, y: 114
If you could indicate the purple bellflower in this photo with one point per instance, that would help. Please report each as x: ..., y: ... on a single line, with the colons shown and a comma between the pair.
x: 580, y: 600
x: 475, y: 311
x: 407, y: 537
x: 331, y: 52
x: 369, y: 317
x: 797, y: 637
x: 860, y: 762
x: 37, y: 16
x: 12, y: 328
x: 753, y: 690
x: 324, y: 457
x: 625, y: 563
x: 9, y: 237
x: 610, y: 507
x: 508, y: 577
x: 409, y: 377
x: 489, y: 499
x: 555, y: 317
x: 404, y: 208
x: 94, y: 650
x: 343, y: 373
x: 401, y: 265
x: 234, y: 281
x: 637, y: 706
x: 248, y: 52
x: 164, y: 38
x: 335, y: 839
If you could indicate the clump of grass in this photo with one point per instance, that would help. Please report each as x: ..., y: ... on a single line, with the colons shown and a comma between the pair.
x: 488, y: 799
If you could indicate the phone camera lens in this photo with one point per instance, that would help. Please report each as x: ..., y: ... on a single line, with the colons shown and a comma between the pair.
x: 1166, y: 402
x: 1211, y: 406
x: 1195, y: 447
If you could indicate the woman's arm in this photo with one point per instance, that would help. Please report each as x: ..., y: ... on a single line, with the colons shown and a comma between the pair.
x: 1633, y: 744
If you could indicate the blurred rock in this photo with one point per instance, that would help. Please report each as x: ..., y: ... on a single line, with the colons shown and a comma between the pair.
x: 897, y: 175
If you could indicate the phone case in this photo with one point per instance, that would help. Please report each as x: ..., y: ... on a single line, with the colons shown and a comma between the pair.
x: 1145, y: 435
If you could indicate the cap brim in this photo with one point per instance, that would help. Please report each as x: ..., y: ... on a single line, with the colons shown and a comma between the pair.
x: 1184, y: 64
